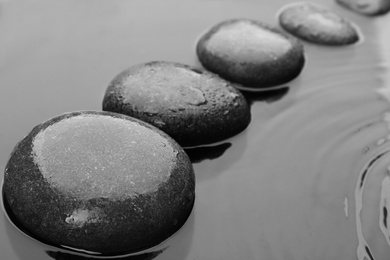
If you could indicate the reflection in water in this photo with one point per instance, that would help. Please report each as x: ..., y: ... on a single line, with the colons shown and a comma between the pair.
x: 303, y: 181
x: 363, y: 251
x: 66, y: 256
x: 375, y: 170
x: 198, y: 154
x: 267, y: 95
x: 385, y: 207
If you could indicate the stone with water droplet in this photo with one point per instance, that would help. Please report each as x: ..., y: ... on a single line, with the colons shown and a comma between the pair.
x: 317, y: 24
x: 367, y: 7
x: 251, y: 53
x: 99, y: 182
x: 189, y: 105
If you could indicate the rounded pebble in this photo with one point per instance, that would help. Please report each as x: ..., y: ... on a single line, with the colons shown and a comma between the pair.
x: 99, y: 182
x: 317, y: 24
x: 194, y: 107
x: 367, y: 7
x: 251, y: 53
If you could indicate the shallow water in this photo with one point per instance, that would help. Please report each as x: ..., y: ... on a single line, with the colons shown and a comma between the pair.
x: 308, y: 179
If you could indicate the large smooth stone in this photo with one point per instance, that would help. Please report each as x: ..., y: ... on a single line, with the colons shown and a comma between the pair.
x: 251, y: 53
x: 367, y: 7
x: 194, y: 107
x: 99, y: 182
x: 317, y: 24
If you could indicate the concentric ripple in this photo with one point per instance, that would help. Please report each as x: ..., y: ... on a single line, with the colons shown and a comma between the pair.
x: 309, y: 177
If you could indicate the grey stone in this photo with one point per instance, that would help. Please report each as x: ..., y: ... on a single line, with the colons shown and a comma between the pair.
x: 193, y: 106
x: 317, y: 24
x: 251, y: 53
x: 99, y: 182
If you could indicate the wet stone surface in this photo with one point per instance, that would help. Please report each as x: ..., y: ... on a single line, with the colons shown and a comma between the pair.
x: 309, y: 177
x: 251, y: 53
x: 99, y: 182
x: 367, y: 7
x: 194, y: 107
x: 317, y: 24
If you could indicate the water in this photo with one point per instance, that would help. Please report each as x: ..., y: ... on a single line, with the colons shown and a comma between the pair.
x: 309, y: 177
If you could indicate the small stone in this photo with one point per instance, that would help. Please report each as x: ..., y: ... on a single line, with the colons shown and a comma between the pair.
x: 251, y: 53
x: 99, y: 182
x: 317, y: 24
x: 188, y: 104
x: 367, y: 7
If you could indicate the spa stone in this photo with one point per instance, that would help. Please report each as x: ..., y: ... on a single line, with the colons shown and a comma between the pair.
x: 317, y: 24
x: 193, y: 106
x: 251, y: 53
x: 367, y: 7
x: 99, y: 182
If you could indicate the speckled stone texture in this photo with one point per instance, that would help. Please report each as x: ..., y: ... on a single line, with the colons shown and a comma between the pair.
x: 317, y: 24
x: 100, y: 182
x: 251, y: 53
x: 194, y: 107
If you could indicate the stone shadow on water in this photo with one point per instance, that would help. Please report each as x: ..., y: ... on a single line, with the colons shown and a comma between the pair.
x: 210, y: 152
x: 57, y: 255
x: 269, y: 95
x: 198, y: 154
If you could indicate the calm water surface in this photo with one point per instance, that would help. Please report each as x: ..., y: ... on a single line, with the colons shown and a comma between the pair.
x: 308, y: 179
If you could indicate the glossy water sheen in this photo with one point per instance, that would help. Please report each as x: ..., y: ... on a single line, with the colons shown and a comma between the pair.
x: 308, y: 179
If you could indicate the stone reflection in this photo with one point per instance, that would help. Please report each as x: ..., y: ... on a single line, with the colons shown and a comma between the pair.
x: 269, y: 96
x: 198, y: 154
x: 66, y: 256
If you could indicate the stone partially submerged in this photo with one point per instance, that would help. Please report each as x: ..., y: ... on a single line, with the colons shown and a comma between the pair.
x: 99, y: 182
x: 193, y: 106
x: 367, y: 7
x: 317, y: 24
x: 251, y: 53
